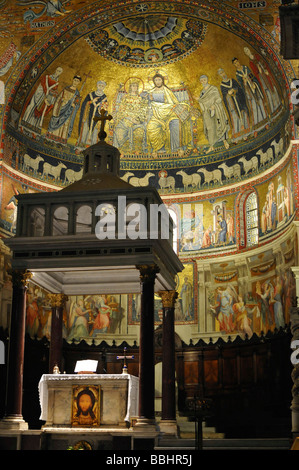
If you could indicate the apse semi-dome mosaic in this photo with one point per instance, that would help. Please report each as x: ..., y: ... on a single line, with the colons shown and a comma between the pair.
x: 197, y: 100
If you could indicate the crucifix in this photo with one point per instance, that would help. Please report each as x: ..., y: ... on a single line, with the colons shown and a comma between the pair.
x: 104, y: 116
x: 125, y: 357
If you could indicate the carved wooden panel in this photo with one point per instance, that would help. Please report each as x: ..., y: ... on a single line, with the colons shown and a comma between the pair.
x: 191, y: 372
x: 211, y: 372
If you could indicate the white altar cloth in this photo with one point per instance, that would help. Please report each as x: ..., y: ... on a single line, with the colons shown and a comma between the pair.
x: 50, y: 379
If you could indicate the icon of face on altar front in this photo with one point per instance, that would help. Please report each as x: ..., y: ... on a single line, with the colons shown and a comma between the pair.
x: 85, y: 410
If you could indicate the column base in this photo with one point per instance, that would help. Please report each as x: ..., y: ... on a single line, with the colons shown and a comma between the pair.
x: 169, y: 427
x: 145, y: 434
x: 13, y: 423
x: 146, y: 426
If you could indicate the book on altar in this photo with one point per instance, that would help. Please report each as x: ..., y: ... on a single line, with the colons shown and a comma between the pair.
x: 87, y: 366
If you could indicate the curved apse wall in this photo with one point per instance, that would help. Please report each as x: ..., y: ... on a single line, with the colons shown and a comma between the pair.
x: 200, y: 111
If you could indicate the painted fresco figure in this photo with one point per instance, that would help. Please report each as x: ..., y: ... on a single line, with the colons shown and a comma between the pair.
x: 263, y: 74
x: 264, y: 293
x: 186, y: 295
x: 64, y: 112
x: 252, y: 90
x: 213, y: 113
x: 235, y: 101
x: 241, y: 317
x: 45, y: 320
x: 116, y: 314
x: 78, y: 321
x: 91, y: 106
x: 43, y: 99
x: 224, y: 310
x: 102, y: 320
x: 131, y: 119
x: 136, y: 306
x: 168, y: 129
x: 276, y: 300
x: 289, y: 293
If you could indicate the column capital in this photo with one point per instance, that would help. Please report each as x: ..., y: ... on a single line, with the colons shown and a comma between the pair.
x: 148, y: 272
x: 57, y: 300
x: 20, y: 277
x: 168, y: 298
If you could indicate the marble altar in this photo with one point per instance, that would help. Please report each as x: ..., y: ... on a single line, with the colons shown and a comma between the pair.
x: 117, y: 399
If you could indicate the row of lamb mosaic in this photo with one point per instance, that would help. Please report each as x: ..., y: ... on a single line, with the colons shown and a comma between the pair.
x: 203, y: 177
x: 32, y: 165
